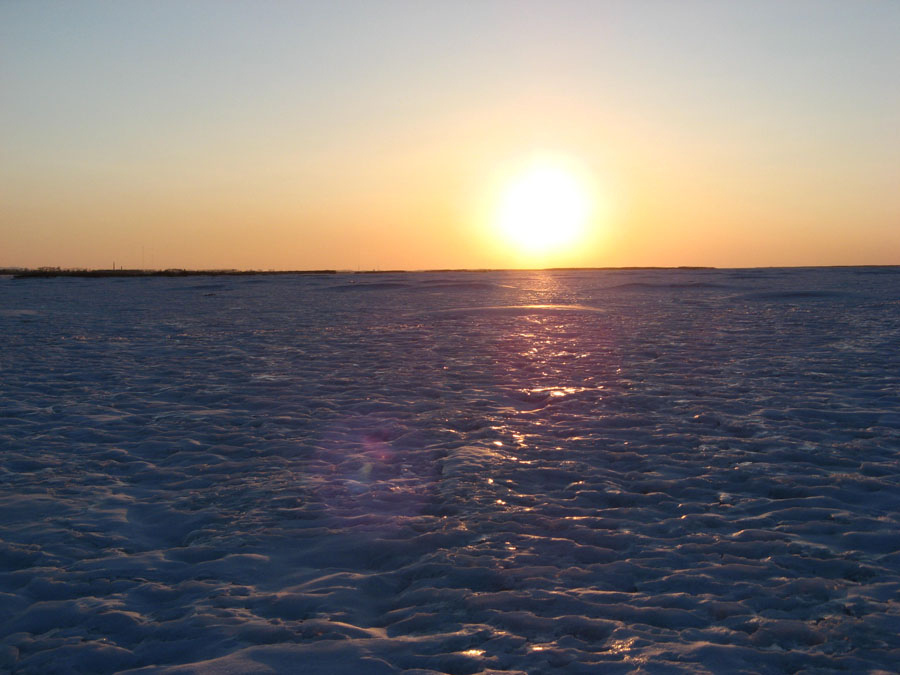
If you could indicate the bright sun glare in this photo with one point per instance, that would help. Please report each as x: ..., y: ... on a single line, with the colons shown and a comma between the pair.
x: 544, y: 207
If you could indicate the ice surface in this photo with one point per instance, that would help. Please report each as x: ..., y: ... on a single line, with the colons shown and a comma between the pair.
x: 533, y: 472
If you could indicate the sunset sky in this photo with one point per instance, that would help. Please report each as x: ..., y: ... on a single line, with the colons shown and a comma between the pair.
x: 378, y: 135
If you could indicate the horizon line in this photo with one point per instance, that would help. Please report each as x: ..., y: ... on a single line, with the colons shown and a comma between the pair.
x: 48, y: 272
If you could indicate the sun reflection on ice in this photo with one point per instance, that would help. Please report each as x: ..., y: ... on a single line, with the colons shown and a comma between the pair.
x: 620, y: 646
x: 625, y: 649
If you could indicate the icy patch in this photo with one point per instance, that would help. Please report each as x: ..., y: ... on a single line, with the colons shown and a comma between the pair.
x: 671, y: 286
x: 368, y: 286
x: 19, y: 312
x: 516, y: 310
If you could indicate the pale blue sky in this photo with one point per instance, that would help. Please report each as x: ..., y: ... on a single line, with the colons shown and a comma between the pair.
x: 344, y: 134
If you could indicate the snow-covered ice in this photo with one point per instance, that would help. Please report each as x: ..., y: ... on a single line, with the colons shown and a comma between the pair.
x: 507, y: 472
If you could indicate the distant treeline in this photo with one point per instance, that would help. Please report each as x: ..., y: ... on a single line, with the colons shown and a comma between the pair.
x: 44, y: 273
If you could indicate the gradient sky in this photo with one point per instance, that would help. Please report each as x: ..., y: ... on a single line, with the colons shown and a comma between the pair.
x: 376, y: 135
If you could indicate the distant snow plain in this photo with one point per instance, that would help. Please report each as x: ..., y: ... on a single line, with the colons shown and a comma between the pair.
x: 657, y: 471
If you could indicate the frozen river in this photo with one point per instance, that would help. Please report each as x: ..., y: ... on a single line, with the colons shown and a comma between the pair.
x: 503, y: 472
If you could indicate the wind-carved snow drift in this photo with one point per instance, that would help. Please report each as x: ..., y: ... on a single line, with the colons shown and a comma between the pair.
x: 534, y: 472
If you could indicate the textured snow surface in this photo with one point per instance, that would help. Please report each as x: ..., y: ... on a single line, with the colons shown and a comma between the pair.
x: 568, y: 472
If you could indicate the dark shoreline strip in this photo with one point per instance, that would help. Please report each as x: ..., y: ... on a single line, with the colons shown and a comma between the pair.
x: 95, y: 274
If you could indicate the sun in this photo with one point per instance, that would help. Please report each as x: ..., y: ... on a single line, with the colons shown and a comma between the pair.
x: 545, y: 207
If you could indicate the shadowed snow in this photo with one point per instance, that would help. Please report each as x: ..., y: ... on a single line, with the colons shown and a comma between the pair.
x: 534, y: 472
